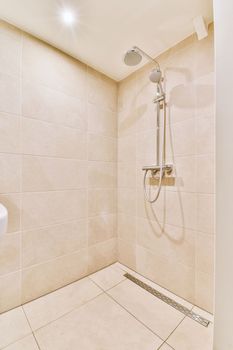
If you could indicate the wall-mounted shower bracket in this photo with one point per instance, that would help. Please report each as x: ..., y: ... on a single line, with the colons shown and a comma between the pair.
x: 154, y: 169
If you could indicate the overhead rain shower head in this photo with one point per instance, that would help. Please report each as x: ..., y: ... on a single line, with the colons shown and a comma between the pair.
x: 132, y: 57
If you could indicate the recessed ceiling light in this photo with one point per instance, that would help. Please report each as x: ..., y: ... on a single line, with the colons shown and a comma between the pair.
x: 68, y: 17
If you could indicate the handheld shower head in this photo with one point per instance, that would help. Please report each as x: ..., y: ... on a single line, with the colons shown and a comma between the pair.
x: 155, y: 75
x: 132, y: 57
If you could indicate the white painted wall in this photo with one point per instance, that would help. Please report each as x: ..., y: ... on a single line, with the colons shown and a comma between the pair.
x: 223, y: 338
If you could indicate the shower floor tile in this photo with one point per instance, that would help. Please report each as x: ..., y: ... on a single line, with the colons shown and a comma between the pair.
x: 152, y: 312
x: 165, y: 347
x: 27, y: 343
x: 103, y: 311
x: 108, y: 277
x: 54, y: 305
x: 13, y: 326
x: 100, y: 324
x: 190, y: 335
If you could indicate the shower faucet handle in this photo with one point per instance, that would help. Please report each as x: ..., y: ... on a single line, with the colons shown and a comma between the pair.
x: 154, y: 168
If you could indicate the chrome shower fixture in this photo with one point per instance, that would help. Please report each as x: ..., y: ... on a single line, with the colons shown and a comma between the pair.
x: 134, y: 56
x: 159, y: 170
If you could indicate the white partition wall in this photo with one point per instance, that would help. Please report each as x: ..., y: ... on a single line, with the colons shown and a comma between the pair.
x: 223, y: 338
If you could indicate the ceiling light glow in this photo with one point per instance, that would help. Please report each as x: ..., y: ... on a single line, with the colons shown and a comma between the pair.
x: 68, y: 17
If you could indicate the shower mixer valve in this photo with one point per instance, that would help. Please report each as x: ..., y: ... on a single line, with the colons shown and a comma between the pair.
x: 155, y: 169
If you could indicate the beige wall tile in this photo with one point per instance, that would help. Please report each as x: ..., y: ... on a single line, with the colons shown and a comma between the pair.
x: 205, y: 252
x: 43, y: 63
x: 102, y: 174
x: 126, y: 174
x: 101, y: 201
x: 205, y: 174
x: 205, y: 213
x: 13, y: 204
x: 102, y: 91
x: 126, y: 227
x: 48, y: 243
x: 146, y: 112
x: 127, y: 148
x: 101, y: 255
x: 204, y: 291
x: 101, y: 148
x: 101, y: 121
x: 176, y: 244
x: 10, y: 94
x: 43, y: 103
x: 181, y: 138
x: 9, y: 253
x: 146, y: 147
x: 46, y: 174
x: 101, y: 228
x: 46, y: 139
x: 127, y: 253
x: 10, y: 166
x: 10, y: 52
x: 206, y: 94
x: 127, y: 90
x: 185, y: 174
x: 45, y: 278
x: 45, y: 119
x: 47, y: 208
x: 205, y: 130
x: 10, y: 291
x: 173, y: 208
x: 127, y: 201
x: 10, y: 133
x: 127, y: 121
x: 181, y: 281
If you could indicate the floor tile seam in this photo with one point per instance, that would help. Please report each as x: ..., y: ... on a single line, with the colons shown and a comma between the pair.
x: 165, y: 344
x: 16, y: 341
x: 66, y: 313
x: 31, y: 328
x: 103, y: 289
x: 123, y: 307
x: 142, y: 323
x: 166, y: 341
x: 23, y: 337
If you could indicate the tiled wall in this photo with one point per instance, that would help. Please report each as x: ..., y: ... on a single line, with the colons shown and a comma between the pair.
x: 171, y: 241
x: 57, y: 168
x: 58, y: 131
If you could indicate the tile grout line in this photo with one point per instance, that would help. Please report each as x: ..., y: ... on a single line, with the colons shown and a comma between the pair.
x: 143, y: 324
x: 174, y: 330
x: 108, y: 295
x: 64, y: 286
x: 105, y: 290
x: 67, y: 313
x: 165, y: 344
x: 33, y: 334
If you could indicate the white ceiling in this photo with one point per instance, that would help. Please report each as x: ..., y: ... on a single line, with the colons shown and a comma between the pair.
x: 105, y: 29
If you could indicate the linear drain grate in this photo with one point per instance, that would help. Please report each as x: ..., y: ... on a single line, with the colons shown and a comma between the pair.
x: 169, y: 301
